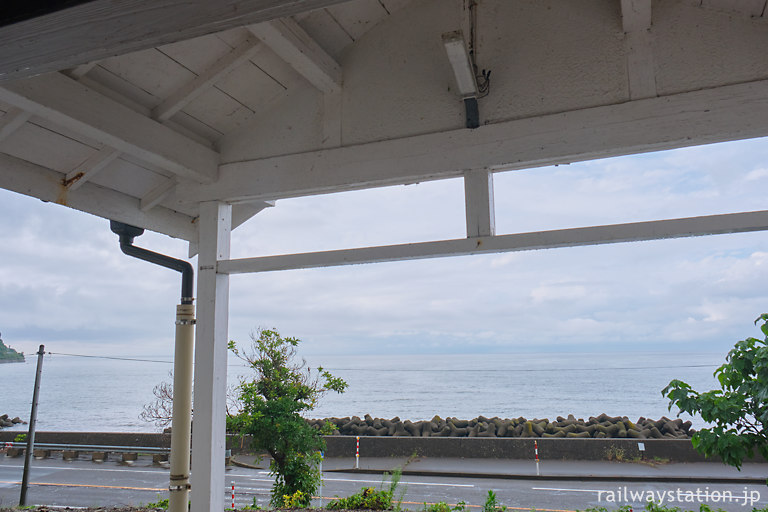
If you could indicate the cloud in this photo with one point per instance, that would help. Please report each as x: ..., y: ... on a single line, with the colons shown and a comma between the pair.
x: 64, y: 281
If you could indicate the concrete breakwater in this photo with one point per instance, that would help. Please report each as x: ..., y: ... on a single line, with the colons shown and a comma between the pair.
x: 602, y: 426
x: 7, y: 421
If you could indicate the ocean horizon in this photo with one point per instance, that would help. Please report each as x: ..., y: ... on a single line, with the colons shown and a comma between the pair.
x: 101, y: 394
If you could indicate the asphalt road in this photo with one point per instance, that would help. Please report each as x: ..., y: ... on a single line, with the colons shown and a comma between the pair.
x: 83, y: 483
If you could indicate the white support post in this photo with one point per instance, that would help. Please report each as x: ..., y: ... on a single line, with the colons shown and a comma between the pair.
x: 478, y: 200
x: 208, y: 432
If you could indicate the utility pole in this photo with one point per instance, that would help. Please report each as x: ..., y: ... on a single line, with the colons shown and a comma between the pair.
x: 31, y: 433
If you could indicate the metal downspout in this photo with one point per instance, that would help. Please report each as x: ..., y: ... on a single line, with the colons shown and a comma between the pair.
x: 181, y: 424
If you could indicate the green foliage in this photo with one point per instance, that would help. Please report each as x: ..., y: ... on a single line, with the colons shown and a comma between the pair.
x: 9, y: 354
x: 272, y: 403
x: 491, y: 503
x: 160, y: 503
x: 20, y: 438
x: 252, y: 506
x: 367, y: 499
x: 738, y: 410
x: 296, y: 500
x: 442, y: 506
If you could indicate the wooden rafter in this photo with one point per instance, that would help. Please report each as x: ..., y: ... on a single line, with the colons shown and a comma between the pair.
x: 205, y: 80
x: 100, y: 29
x: 292, y: 44
x: 26, y: 178
x: 11, y: 121
x: 73, y: 106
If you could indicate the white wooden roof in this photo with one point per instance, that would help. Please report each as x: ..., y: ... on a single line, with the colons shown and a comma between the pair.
x: 140, y: 111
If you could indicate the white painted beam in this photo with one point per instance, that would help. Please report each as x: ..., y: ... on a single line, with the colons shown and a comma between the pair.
x: 205, y: 80
x: 478, y: 203
x: 641, y: 63
x: 80, y: 71
x: 636, y: 15
x: 157, y: 194
x: 574, y: 237
x: 241, y: 213
x: 207, y: 478
x: 686, y: 119
x: 292, y: 44
x: 33, y: 180
x: 11, y: 121
x: 74, y: 106
x: 100, y: 29
x: 92, y: 166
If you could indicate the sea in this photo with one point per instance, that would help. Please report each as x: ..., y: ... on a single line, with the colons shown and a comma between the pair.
x: 80, y: 393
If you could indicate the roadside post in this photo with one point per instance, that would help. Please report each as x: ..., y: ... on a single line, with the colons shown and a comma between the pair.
x: 357, y: 452
x: 536, y: 452
x: 31, y: 433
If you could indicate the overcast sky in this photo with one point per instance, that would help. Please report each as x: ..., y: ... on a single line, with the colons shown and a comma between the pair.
x: 65, y: 283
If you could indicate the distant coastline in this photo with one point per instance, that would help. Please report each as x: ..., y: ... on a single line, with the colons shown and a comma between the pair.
x: 9, y: 355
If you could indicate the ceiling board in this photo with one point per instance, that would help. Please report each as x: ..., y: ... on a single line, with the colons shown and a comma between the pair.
x: 358, y: 17
x: 46, y: 148
x: 129, y: 178
x: 151, y: 71
x: 326, y: 31
x: 197, y: 54
x: 251, y: 86
x: 219, y: 111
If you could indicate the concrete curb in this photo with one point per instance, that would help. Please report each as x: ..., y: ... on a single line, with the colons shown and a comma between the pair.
x: 580, y: 478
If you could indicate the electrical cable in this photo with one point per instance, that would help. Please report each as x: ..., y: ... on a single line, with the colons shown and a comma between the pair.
x: 512, y: 370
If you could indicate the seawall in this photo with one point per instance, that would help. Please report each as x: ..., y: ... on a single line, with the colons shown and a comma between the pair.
x: 673, y: 450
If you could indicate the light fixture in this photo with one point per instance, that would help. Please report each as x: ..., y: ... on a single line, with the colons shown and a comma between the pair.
x: 458, y: 56
x: 464, y: 70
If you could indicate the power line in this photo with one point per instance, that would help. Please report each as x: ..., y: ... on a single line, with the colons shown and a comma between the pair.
x: 424, y: 370
x: 108, y: 357
x: 118, y: 358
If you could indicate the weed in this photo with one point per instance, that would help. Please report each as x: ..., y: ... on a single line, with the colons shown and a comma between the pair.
x: 160, y: 503
x: 20, y: 438
x: 368, y: 498
x: 492, y: 504
x: 617, y: 454
x: 442, y: 506
x: 252, y: 506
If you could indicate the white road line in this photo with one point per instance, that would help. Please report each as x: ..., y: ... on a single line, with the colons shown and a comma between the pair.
x: 401, y: 482
x: 561, y: 489
x: 89, y: 469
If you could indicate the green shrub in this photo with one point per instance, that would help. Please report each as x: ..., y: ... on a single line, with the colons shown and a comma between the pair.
x: 491, y: 503
x: 442, y: 506
x: 367, y: 499
x: 160, y: 503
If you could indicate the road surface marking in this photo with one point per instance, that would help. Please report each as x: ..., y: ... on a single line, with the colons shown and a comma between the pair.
x: 87, y: 485
x: 562, y: 489
x: 402, y: 482
x: 62, y: 468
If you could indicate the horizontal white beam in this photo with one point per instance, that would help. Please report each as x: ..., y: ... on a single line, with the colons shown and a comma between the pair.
x: 574, y: 237
x: 33, y: 180
x: 700, y: 117
x: 100, y: 29
x: 292, y: 44
x: 73, y: 106
x: 205, y: 80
